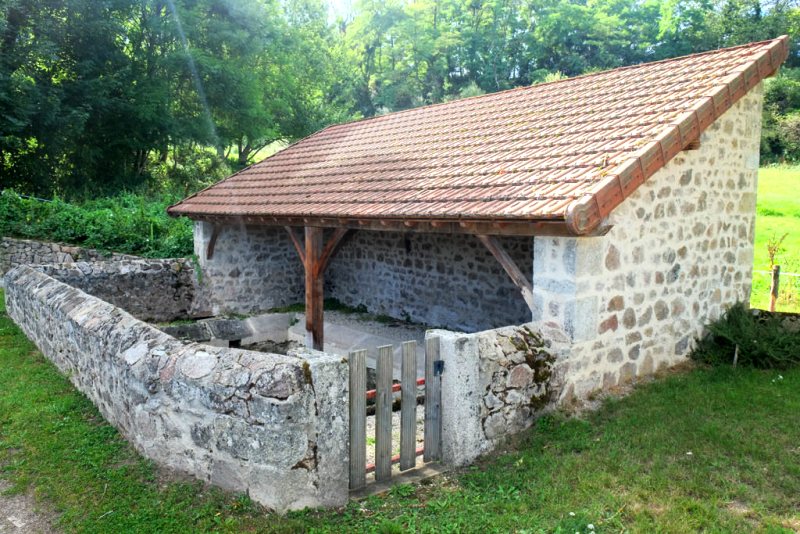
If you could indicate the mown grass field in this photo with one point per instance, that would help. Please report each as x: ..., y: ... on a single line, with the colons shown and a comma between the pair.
x: 778, y: 215
x: 706, y: 450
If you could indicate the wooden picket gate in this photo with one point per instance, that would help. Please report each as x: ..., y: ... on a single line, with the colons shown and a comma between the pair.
x: 383, y: 395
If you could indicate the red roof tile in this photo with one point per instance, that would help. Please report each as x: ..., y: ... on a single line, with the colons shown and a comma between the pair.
x: 566, y: 151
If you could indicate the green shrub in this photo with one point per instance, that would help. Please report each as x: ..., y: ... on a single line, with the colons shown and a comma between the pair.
x: 764, y: 341
x: 128, y: 223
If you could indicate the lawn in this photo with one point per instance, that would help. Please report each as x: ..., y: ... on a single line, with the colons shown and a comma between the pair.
x: 778, y: 215
x: 715, y: 450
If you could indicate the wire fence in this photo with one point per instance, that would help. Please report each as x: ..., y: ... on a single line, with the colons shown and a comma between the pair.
x: 778, y: 291
x: 794, y: 275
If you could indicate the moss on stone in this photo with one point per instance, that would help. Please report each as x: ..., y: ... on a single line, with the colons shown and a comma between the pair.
x: 534, y: 348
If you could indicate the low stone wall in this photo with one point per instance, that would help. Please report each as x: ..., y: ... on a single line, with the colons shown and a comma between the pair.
x: 269, y: 425
x: 494, y: 382
x: 15, y: 252
x: 150, y: 290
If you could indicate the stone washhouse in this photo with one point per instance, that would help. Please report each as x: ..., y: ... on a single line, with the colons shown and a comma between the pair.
x: 614, y: 211
x: 555, y: 240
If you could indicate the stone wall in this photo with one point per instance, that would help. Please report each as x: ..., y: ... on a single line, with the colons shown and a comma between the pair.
x: 269, y: 425
x: 151, y: 290
x: 253, y: 269
x: 494, y: 383
x: 448, y: 281
x: 679, y: 252
x: 14, y: 252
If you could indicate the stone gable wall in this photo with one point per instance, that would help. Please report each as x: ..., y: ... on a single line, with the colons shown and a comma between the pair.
x: 679, y: 252
x: 270, y: 425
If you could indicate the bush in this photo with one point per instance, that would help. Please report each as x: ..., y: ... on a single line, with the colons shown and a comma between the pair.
x: 128, y: 223
x: 764, y: 340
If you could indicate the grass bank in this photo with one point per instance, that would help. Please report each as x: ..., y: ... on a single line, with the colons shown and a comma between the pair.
x: 715, y: 450
x: 778, y: 215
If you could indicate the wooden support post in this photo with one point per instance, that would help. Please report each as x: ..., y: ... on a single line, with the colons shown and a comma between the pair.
x: 511, y: 268
x: 774, y: 287
x: 314, y: 295
x: 315, y: 260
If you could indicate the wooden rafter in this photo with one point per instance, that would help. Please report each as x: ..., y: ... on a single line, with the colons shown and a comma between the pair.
x: 510, y: 267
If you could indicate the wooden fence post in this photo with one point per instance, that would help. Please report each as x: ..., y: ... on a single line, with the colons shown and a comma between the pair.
x: 433, y: 401
x: 774, y: 287
x: 383, y: 414
x: 408, y: 407
x: 358, y: 419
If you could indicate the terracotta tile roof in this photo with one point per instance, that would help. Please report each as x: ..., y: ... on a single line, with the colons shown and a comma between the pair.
x: 566, y: 151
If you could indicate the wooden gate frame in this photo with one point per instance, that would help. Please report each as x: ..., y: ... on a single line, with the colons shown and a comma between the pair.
x: 432, y: 451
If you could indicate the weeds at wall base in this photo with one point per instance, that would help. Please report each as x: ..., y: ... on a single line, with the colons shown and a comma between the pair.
x: 764, y: 340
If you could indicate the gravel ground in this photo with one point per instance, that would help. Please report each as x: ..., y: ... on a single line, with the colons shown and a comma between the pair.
x: 395, y: 433
x: 396, y: 330
x: 19, y: 514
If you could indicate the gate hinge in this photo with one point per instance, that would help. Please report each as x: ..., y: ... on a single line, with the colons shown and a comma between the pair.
x: 438, y: 367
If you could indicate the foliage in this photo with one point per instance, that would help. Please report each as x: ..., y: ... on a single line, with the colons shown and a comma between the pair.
x: 100, y: 96
x: 95, y: 94
x: 778, y: 216
x: 780, y: 138
x: 711, y: 450
x: 763, y: 340
x: 131, y: 224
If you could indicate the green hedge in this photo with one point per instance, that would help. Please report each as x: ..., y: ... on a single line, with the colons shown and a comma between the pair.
x: 128, y: 223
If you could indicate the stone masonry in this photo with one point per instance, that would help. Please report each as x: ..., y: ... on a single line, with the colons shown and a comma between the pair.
x: 448, y: 281
x: 150, y: 290
x: 270, y: 425
x: 494, y: 383
x: 14, y: 252
x: 611, y: 308
x: 253, y: 269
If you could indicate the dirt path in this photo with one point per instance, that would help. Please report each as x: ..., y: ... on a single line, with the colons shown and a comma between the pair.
x: 20, y: 514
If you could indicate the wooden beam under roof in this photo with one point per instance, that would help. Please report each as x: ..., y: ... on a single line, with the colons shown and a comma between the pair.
x: 554, y: 228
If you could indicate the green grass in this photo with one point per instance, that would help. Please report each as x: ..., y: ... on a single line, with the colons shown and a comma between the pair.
x: 778, y: 214
x: 624, y: 468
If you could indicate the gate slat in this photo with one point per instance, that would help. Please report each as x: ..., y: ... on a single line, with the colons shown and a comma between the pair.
x: 433, y: 403
x: 408, y: 407
x: 358, y: 419
x: 383, y: 414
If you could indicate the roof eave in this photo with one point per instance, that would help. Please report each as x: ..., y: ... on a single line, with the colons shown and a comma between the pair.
x: 475, y: 226
x: 586, y: 214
